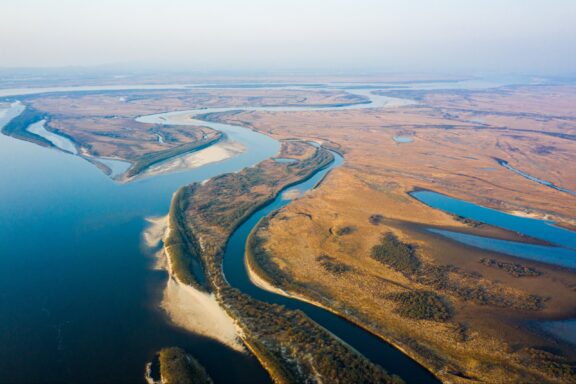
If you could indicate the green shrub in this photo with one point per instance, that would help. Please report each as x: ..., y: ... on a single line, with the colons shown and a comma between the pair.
x: 396, y: 254
x: 176, y: 367
x: 333, y: 266
x: 421, y: 305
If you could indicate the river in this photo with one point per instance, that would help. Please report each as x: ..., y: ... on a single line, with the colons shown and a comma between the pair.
x: 78, y: 297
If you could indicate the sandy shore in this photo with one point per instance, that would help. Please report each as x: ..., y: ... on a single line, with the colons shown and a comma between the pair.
x: 261, y: 283
x: 212, y: 154
x: 187, y: 307
x: 292, y: 194
x: 155, y: 231
x: 199, y: 312
x: 530, y: 215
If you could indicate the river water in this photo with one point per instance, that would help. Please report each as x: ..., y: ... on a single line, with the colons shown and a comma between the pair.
x: 78, y: 297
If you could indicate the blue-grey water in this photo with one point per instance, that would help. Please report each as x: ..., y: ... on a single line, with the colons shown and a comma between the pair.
x: 546, y: 183
x: 61, y: 142
x: 539, y: 229
x: 370, y: 346
x: 403, y: 139
x: 563, y: 257
x: 78, y: 299
x: 564, y: 254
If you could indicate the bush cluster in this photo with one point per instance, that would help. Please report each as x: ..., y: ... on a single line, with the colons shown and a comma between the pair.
x: 421, y: 305
x: 396, y: 254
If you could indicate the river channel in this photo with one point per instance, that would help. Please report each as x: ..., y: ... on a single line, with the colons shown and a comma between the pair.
x: 78, y: 297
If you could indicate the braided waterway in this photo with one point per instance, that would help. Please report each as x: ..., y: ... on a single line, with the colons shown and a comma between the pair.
x: 78, y: 297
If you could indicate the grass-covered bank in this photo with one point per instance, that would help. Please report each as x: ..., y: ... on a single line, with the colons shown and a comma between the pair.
x: 182, y: 249
x: 290, y: 346
x: 178, y: 367
x: 18, y: 127
x: 146, y: 161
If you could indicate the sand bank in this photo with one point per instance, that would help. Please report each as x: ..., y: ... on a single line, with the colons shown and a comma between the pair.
x: 200, y: 313
x: 155, y: 231
x: 212, y: 154
x: 187, y: 307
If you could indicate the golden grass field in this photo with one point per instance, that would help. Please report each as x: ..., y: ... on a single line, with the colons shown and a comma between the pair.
x: 450, y: 154
x: 457, y: 137
x: 102, y: 124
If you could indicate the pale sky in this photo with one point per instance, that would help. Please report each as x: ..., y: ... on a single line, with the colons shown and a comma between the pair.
x: 536, y: 36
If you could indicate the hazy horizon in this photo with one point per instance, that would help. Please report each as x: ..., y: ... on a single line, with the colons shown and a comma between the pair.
x: 415, y: 35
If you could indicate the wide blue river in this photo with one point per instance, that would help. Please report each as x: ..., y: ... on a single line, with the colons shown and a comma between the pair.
x: 78, y: 297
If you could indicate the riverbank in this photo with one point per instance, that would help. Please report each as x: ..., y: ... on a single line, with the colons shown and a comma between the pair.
x: 279, y: 337
x: 321, y: 247
x: 262, y: 280
x: 212, y: 154
x: 146, y: 161
x: 188, y: 307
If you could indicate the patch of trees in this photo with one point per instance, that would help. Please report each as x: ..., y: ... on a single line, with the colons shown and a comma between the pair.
x: 177, y: 367
x: 343, y: 231
x: 469, y: 222
x: 421, y: 305
x: 376, y: 219
x: 554, y: 365
x: 18, y: 127
x: 181, y: 247
x: 516, y: 270
x: 402, y: 257
x: 296, y: 347
x: 227, y: 200
x: 396, y: 254
x: 332, y: 265
x: 472, y: 289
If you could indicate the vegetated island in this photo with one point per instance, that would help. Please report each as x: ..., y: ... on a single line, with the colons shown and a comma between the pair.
x: 18, y: 127
x: 102, y: 126
x: 291, y: 347
x: 174, y: 366
x: 113, y: 138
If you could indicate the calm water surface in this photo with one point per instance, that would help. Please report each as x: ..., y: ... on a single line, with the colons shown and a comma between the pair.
x: 78, y: 299
x: 539, y: 229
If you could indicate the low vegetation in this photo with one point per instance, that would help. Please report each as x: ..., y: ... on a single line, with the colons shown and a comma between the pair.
x: 403, y: 258
x: 177, y: 367
x: 18, y: 127
x: 292, y: 347
x: 332, y: 265
x: 421, y: 305
x: 396, y: 254
x: 516, y: 270
x: 262, y: 264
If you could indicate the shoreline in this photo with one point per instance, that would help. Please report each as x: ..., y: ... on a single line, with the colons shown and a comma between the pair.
x: 262, y: 283
x: 214, y: 153
x: 228, y: 295
x: 187, y: 307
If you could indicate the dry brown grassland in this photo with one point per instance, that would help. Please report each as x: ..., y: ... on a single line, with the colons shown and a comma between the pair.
x: 321, y: 246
